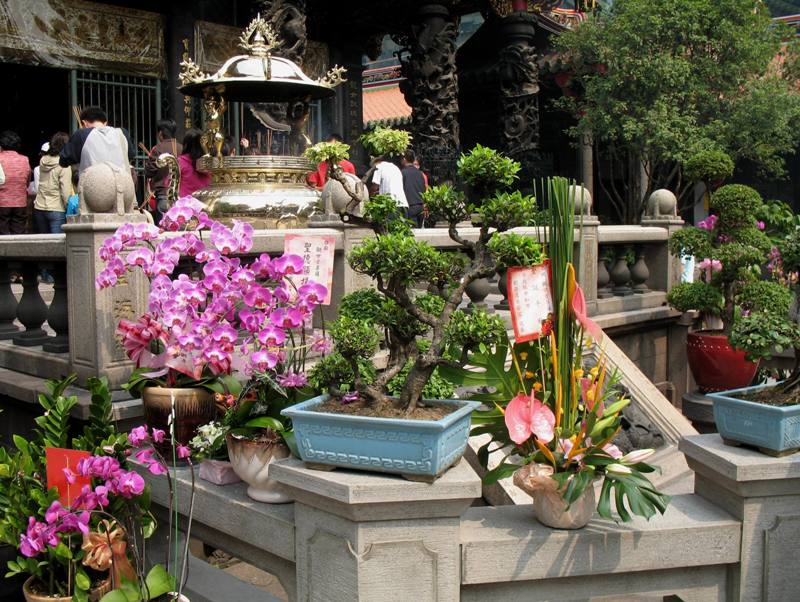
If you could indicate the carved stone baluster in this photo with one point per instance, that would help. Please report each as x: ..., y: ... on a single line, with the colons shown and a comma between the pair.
x: 621, y: 274
x: 8, y: 304
x: 640, y: 273
x: 603, y: 279
x: 32, y: 310
x: 58, y: 312
x: 502, y: 286
x: 477, y: 291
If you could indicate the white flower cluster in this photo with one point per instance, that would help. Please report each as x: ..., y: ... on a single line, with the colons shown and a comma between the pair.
x: 209, y: 438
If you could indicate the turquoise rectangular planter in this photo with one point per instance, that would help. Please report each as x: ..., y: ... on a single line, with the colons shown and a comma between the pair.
x: 408, y: 447
x: 773, y: 428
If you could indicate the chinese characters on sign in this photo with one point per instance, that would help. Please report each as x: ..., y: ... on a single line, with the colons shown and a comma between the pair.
x: 317, y: 253
x: 531, y: 301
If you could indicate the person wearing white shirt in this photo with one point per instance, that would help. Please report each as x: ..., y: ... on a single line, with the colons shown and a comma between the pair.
x: 388, y: 179
x: 33, y: 186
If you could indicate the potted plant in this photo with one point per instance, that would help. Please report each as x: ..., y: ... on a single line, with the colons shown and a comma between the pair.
x: 256, y: 434
x: 52, y: 528
x: 731, y: 251
x: 186, y: 346
x: 209, y: 449
x: 357, y: 423
x: 555, y: 412
x: 767, y: 416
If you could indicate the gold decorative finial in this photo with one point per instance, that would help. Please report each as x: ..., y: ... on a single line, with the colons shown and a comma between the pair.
x: 259, y: 38
x: 333, y: 78
x: 191, y: 73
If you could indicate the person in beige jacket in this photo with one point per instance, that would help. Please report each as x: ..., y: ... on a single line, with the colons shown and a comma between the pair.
x: 55, y: 186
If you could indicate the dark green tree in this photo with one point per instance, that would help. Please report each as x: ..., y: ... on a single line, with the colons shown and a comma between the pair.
x: 658, y: 83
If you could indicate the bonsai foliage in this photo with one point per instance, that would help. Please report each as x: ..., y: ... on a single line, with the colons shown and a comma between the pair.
x: 653, y: 84
x: 380, y: 142
x: 732, y: 250
x: 418, y: 288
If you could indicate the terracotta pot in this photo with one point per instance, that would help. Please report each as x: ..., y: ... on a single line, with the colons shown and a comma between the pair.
x: 549, y: 507
x: 251, y: 460
x: 193, y: 408
x: 94, y: 594
x: 715, y: 365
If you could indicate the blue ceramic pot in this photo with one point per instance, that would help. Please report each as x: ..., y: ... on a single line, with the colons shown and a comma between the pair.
x: 421, y: 448
x: 770, y: 427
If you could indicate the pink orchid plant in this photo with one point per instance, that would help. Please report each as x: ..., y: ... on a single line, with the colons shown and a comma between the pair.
x: 229, y: 316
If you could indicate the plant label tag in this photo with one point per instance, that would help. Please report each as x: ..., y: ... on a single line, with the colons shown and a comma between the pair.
x: 531, y: 301
x: 56, y: 460
x: 317, y: 253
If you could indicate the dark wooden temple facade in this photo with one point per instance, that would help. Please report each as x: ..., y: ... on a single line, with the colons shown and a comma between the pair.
x: 488, y: 91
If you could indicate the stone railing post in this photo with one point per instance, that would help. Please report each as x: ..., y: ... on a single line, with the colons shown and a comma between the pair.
x: 352, y: 280
x: 764, y: 493
x: 93, y: 315
x: 665, y: 269
x: 588, y: 246
x: 362, y: 536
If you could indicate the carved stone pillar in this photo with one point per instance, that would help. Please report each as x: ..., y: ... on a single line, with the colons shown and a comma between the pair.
x: 428, y: 63
x: 519, y: 87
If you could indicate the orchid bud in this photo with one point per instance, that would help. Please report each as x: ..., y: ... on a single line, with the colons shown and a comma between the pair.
x: 618, y: 469
x: 636, y: 456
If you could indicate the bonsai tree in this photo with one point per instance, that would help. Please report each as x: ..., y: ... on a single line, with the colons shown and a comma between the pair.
x: 419, y: 288
x: 732, y: 250
x: 777, y: 326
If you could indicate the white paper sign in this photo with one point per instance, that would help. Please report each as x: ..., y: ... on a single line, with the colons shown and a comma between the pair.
x: 531, y: 301
x: 317, y: 253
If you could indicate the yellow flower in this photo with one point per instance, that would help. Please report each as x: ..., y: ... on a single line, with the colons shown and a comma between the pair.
x: 593, y: 372
x: 537, y: 386
x: 523, y: 356
x: 578, y: 373
x: 528, y: 374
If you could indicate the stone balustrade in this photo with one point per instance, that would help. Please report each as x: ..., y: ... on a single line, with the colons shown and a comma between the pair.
x: 34, y: 324
x: 362, y: 536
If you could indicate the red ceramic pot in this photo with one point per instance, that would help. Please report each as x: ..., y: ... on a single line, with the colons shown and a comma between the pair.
x: 715, y: 365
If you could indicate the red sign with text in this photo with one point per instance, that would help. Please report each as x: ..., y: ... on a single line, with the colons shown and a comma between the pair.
x: 57, y: 459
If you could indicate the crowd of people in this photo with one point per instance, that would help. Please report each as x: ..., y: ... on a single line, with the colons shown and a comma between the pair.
x: 38, y: 200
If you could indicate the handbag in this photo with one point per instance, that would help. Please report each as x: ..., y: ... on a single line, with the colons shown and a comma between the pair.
x: 72, y: 205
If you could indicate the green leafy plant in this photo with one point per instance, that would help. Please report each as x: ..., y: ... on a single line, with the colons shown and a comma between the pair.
x: 731, y: 252
x: 487, y: 170
x: 27, y: 506
x: 381, y: 142
x: 511, y: 249
x: 334, y: 150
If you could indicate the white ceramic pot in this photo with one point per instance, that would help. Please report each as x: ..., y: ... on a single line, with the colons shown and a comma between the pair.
x: 250, y: 460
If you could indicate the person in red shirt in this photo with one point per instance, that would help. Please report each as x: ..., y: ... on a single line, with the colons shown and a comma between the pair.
x: 318, y: 178
x: 14, y: 192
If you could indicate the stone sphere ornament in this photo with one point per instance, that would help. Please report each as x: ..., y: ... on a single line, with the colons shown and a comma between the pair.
x: 335, y: 199
x: 106, y: 188
x: 662, y: 203
x: 581, y: 198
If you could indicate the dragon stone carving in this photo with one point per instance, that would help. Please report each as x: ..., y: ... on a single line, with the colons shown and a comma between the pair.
x: 428, y: 62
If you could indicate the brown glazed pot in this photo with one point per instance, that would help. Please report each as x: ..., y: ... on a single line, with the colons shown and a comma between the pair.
x: 193, y: 408
x: 94, y: 594
x: 715, y: 365
x: 250, y: 461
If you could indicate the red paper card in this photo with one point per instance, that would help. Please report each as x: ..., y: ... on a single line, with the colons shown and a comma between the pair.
x: 317, y: 253
x: 531, y: 300
x: 57, y: 460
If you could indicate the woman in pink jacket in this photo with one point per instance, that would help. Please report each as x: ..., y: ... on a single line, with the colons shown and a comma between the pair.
x: 192, y: 179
